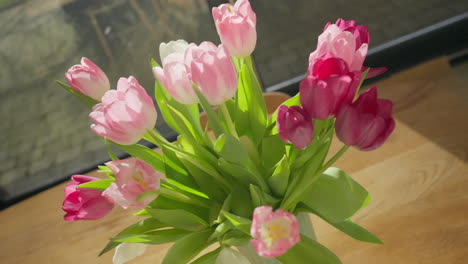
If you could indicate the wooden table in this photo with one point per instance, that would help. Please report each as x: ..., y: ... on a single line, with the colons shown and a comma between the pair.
x: 418, y: 181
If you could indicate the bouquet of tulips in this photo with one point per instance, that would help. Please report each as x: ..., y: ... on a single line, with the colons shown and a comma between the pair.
x: 240, y: 179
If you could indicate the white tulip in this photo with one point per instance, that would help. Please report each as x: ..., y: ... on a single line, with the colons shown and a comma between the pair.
x: 172, y: 51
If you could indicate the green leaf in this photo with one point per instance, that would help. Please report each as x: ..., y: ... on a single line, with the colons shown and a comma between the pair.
x: 251, y: 118
x: 146, y: 154
x: 178, y: 218
x: 260, y: 198
x: 241, y: 223
x: 137, y: 228
x: 310, y: 251
x: 97, y: 185
x: 280, y: 178
x: 154, y: 237
x: 175, y: 170
x: 273, y: 150
x: 208, y: 258
x: 220, y: 230
x: 187, y: 247
x: 213, y: 119
x: 241, y: 203
x: 356, y: 231
x: 235, y: 238
x: 86, y: 100
x: 334, y: 198
x: 169, y: 202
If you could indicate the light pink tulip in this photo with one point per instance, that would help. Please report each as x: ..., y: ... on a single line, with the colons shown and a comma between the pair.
x: 212, y: 70
x: 124, y: 115
x: 342, y: 43
x: 274, y: 233
x: 295, y: 125
x: 88, y: 79
x: 83, y: 203
x: 136, y: 183
x: 327, y: 86
x: 236, y: 27
x: 367, y: 122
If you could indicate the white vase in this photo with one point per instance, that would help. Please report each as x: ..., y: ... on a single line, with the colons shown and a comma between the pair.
x: 248, y: 254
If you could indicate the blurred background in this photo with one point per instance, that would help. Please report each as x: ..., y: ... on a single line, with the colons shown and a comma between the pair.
x: 44, y: 131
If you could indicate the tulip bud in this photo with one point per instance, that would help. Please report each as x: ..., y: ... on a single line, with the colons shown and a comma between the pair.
x: 88, y: 79
x: 212, y: 71
x: 83, y: 203
x: 236, y: 27
x: 327, y: 86
x: 367, y: 122
x: 136, y: 183
x: 172, y: 51
x: 124, y: 115
x: 274, y: 233
x: 344, y: 40
x: 294, y: 125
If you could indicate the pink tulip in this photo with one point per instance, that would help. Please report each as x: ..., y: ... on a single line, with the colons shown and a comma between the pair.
x: 88, y: 79
x: 274, y: 233
x: 327, y: 86
x: 83, y: 203
x: 236, y: 27
x: 360, y: 33
x: 212, y: 71
x: 367, y: 122
x: 295, y: 125
x: 136, y: 183
x: 344, y: 40
x: 124, y: 115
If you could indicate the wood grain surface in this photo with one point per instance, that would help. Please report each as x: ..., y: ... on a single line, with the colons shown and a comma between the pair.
x: 418, y: 181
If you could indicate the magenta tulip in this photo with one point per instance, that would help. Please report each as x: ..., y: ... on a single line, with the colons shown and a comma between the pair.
x: 212, y: 71
x: 295, y: 125
x: 83, y: 203
x: 344, y: 40
x: 274, y: 233
x: 236, y: 27
x: 125, y: 115
x: 88, y: 79
x: 367, y: 122
x: 327, y: 86
x: 136, y: 183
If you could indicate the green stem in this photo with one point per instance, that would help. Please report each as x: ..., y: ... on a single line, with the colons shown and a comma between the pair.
x: 334, y: 158
x: 227, y: 117
x: 298, y: 194
x: 109, y: 150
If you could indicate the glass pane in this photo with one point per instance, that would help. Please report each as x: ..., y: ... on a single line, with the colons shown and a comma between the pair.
x: 288, y: 30
x: 44, y: 133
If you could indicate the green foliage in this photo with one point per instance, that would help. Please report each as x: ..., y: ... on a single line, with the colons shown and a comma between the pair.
x: 208, y: 258
x: 278, y: 181
x: 188, y: 247
x: 251, y: 115
x: 336, y: 196
x: 97, y: 185
x: 154, y: 237
x: 178, y: 218
x: 311, y: 251
x: 138, y: 228
x: 146, y: 154
x: 240, y: 223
